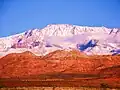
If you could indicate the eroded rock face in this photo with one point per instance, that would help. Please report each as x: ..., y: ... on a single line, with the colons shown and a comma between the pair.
x: 27, y: 64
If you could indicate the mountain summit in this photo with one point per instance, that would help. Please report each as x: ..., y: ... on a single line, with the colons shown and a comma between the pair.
x: 89, y: 40
x: 77, y: 55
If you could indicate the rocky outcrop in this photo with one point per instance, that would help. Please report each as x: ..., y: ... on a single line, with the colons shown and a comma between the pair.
x: 73, y: 67
x: 26, y: 64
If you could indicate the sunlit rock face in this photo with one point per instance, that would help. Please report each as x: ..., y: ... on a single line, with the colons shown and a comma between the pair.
x: 27, y: 64
x: 89, y: 40
x: 91, y: 52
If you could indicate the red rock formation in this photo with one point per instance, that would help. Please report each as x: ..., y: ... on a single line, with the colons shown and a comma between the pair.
x: 59, y: 61
x: 63, y: 62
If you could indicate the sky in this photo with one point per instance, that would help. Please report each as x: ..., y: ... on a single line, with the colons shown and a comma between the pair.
x: 17, y: 16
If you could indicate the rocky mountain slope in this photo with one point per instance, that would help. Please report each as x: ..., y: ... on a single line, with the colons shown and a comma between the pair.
x: 26, y: 64
x: 59, y: 67
x: 87, y: 55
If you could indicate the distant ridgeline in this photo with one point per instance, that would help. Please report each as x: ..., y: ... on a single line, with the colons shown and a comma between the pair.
x: 90, y: 40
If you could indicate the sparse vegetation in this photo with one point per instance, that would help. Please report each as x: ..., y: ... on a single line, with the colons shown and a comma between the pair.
x: 56, y: 88
x: 104, y: 85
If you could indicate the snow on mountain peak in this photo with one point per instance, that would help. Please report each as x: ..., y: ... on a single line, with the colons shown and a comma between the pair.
x: 61, y: 37
x: 70, y: 30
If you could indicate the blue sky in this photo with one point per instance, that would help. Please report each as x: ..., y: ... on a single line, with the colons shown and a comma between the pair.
x: 17, y: 16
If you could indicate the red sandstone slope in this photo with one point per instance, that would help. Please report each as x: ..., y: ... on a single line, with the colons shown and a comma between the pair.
x: 98, y: 71
x: 26, y: 64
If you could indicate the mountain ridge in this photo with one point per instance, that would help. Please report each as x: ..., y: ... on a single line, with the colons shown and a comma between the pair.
x: 61, y: 36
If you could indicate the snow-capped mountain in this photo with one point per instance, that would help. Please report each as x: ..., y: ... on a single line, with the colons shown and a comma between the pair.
x: 90, y: 40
